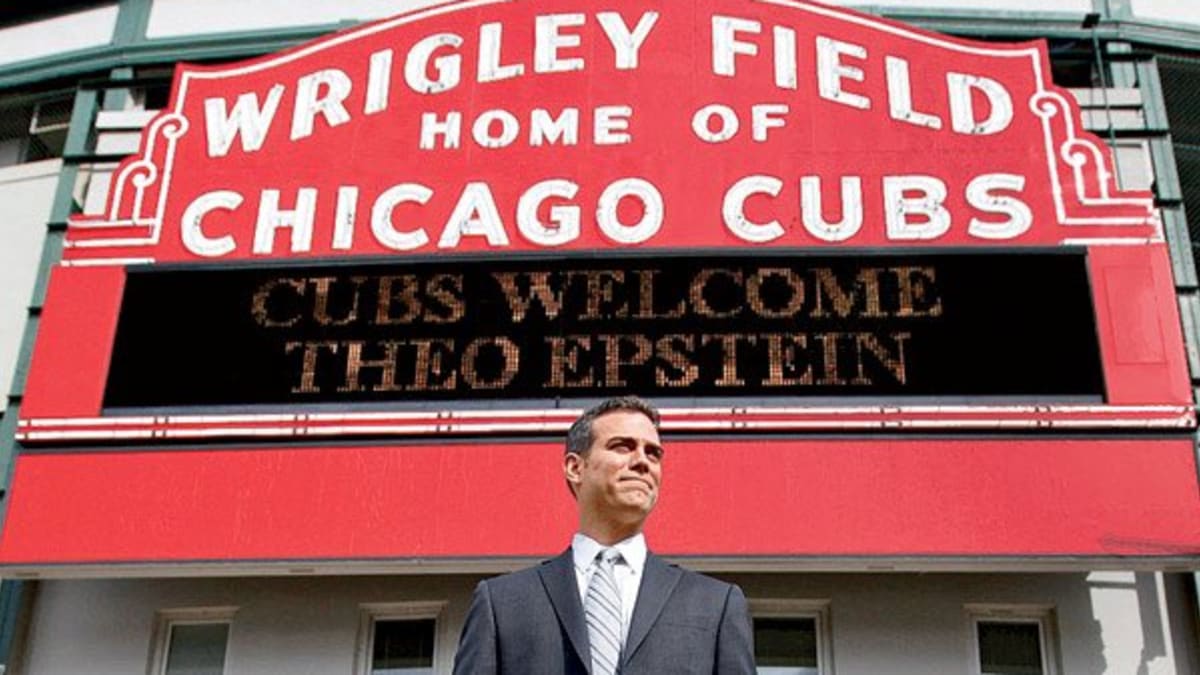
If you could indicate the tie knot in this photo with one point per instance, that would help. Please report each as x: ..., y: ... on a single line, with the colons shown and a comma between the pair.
x: 608, y: 556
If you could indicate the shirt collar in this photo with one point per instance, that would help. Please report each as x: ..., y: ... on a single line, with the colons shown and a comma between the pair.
x: 633, y: 551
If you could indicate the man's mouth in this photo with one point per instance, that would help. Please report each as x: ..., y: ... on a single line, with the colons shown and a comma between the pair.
x: 638, y: 481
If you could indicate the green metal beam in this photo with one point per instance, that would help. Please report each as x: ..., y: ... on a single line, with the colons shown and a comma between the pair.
x: 117, y: 99
x: 1153, y: 106
x: 1122, y: 72
x: 133, y: 16
x: 13, y: 596
x: 1160, y: 34
x: 1162, y: 157
x: 1114, y: 9
x: 1189, y: 316
x: 79, y: 139
x: 131, y: 47
x: 101, y: 60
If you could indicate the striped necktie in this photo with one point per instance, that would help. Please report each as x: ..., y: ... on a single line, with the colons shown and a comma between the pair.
x: 602, y: 605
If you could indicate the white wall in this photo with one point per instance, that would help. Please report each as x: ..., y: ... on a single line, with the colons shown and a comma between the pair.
x: 298, y: 626
x: 183, y: 17
x: 893, y: 624
x: 26, y: 193
x: 1058, y: 6
x: 78, y: 30
x: 902, y: 624
x: 1185, y: 11
x: 1137, y: 621
x: 169, y: 18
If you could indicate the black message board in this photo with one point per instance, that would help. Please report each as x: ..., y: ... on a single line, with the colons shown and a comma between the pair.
x: 744, y: 325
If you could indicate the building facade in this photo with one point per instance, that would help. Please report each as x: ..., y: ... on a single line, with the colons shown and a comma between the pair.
x: 166, y: 511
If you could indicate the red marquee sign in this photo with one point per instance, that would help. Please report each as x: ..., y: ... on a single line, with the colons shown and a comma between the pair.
x: 499, y: 126
x: 489, y: 128
x: 782, y: 212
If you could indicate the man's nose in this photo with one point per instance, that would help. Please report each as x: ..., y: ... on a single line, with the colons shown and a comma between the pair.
x: 640, y: 460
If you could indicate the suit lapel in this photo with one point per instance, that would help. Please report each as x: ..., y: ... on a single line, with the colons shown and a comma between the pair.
x: 658, y: 581
x: 558, y: 577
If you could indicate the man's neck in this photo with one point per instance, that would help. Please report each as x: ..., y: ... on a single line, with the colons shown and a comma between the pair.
x: 608, y: 534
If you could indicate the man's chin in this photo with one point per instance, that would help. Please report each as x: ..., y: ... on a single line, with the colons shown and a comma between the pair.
x: 643, y: 506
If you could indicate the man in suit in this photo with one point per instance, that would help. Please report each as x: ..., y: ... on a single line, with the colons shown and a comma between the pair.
x: 607, y: 605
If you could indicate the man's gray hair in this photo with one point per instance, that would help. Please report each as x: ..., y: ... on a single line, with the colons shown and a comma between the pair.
x: 579, y: 436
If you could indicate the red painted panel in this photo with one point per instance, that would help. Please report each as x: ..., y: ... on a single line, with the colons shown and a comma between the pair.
x: 207, y: 170
x: 1133, y: 295
x: 1141, y: 338
x: 75, y: 336
x: 349, y: 134
x: 807, y: 498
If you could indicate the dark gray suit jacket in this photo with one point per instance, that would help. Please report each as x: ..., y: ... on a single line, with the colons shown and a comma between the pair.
x: 531, y: 622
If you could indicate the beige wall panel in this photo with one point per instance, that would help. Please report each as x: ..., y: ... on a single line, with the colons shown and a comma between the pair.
x: 1059, y: 6
x: 298, y: 626
x: 1175, y: 11
x: 898, y: 624
x: 185, y: 17
x: 26, y: 194
x: 49, y: 37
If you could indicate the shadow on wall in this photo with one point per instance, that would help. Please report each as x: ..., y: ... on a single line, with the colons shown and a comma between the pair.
x: 1154, y: 655
x: 1144, y: 622
x: 1167, y: 603
x: 1083, y: 628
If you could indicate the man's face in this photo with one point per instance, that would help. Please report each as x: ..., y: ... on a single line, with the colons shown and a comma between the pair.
x: 617, y: 479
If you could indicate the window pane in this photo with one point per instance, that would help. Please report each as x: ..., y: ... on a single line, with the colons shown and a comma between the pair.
x: 197, y: 649
x: 403, y: 647
x: 14, y: 133
x: 786, y: 646
x: 1007, y: 648
x: 30, y: 132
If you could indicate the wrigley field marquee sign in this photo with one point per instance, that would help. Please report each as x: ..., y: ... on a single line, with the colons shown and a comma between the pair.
x: 343, y: 303
x: 507, y: 126
x: 454, y: 219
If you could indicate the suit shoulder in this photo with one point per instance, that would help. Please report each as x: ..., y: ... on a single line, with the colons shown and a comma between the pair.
x: 518, y: 578
x: 702, y: 582
x: 700, y: 578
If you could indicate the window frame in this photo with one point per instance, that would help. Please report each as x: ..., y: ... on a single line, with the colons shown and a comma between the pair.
x: 31, y: 128
x: 166, y: 620
x: 371, y: 612
x: 1043, y: 615
x: 790, y: 608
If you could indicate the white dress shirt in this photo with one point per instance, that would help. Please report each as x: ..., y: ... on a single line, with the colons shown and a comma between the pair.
x: 628, y: 571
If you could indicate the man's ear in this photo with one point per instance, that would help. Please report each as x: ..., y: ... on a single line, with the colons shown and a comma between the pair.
x: 572, y: 469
